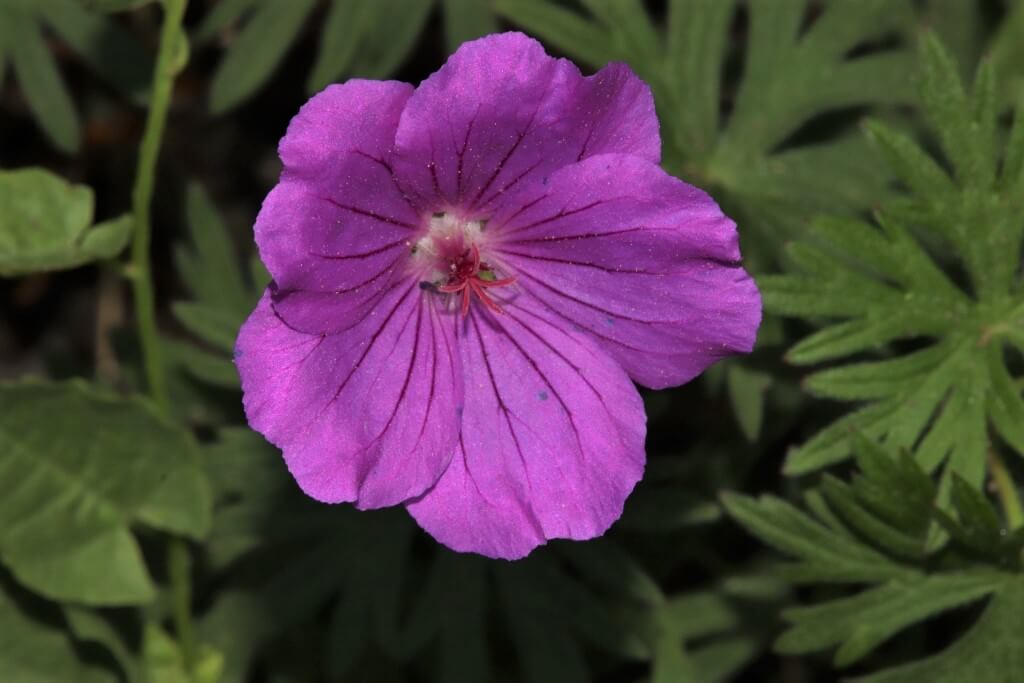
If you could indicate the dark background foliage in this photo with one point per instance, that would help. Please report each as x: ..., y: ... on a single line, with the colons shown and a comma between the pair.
x: 839, y: 136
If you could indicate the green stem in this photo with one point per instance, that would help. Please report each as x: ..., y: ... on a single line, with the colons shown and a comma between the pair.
x: 179, y: 563
x: 145, y: 304
x: 1006, y: 491
x: 142, y: 197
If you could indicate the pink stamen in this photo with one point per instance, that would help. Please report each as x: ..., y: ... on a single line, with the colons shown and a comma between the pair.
x: 465, y: 278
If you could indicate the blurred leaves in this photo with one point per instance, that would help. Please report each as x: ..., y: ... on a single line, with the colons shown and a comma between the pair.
x: 89, y: 466
x: 34, y: 651
x: 290, y: 559
x: 46, y: 224
x: 223, y: 294
x: 359, y: 38
x: 874, y: 531
x: 739, y: 141
x: 114, y: 53
x: 942, y: 268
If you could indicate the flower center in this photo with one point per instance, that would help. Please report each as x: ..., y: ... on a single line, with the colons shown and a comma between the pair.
x: 450, y: 252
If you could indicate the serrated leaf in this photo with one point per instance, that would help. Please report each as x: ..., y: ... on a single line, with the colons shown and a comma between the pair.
x: 791, y: 77
x: 861, y: 623
x: 90, y: 465
x: 989, y: 652
x: 888, y: 284
x: 787, y: 529
x: 46, y: 224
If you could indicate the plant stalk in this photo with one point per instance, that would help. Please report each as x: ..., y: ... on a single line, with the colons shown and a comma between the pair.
x: 1006, y: 491
x: 142, y: 198
x: 144, y: 295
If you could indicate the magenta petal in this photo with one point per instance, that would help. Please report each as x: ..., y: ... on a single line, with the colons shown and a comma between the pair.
x: 369, y: 415
x: 337, y: 222
x: 552, y: 438
x: 644, y: 262
x: 501, y: 112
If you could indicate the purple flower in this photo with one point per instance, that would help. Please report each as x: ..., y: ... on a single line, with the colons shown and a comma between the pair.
x: 468, y: 277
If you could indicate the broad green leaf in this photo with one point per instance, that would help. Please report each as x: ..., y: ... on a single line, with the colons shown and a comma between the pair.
x: 46, y: 224
x: 89, y: 626
x: 32, y: 651
x: 90, y: 466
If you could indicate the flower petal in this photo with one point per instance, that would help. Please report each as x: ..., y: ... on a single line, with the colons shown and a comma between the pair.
x: 552, y: 438
x: 369, y: 415
x: 501, y: 112
x: 646, y: 263
x: 337, y: 224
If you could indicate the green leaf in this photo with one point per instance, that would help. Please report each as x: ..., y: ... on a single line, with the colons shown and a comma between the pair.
x: 793, y: 75
x: 899, y: 280
x: 365, y: 38
x: 46, y: 224
x: 114, y: 5
x: 33, y: 652
x: 339, y: 42
x: 389, y: 36
x: 90, y: 466
x: 861, y: 623
x: 290, y: 559
x: 257, y: 51
x: 746, y: 393
x: 989, y: 652
x: 37, y: 75
x: 223, y: 294
x: 466, y: 20
x: 114, y: 53
x: 824, y: 555
x: 887, y: 512
x: 88, y: 626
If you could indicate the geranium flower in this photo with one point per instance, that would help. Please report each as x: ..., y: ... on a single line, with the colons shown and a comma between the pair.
x: 468, y: 277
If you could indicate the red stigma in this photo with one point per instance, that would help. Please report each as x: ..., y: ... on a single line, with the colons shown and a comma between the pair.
x: 464, y: 276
